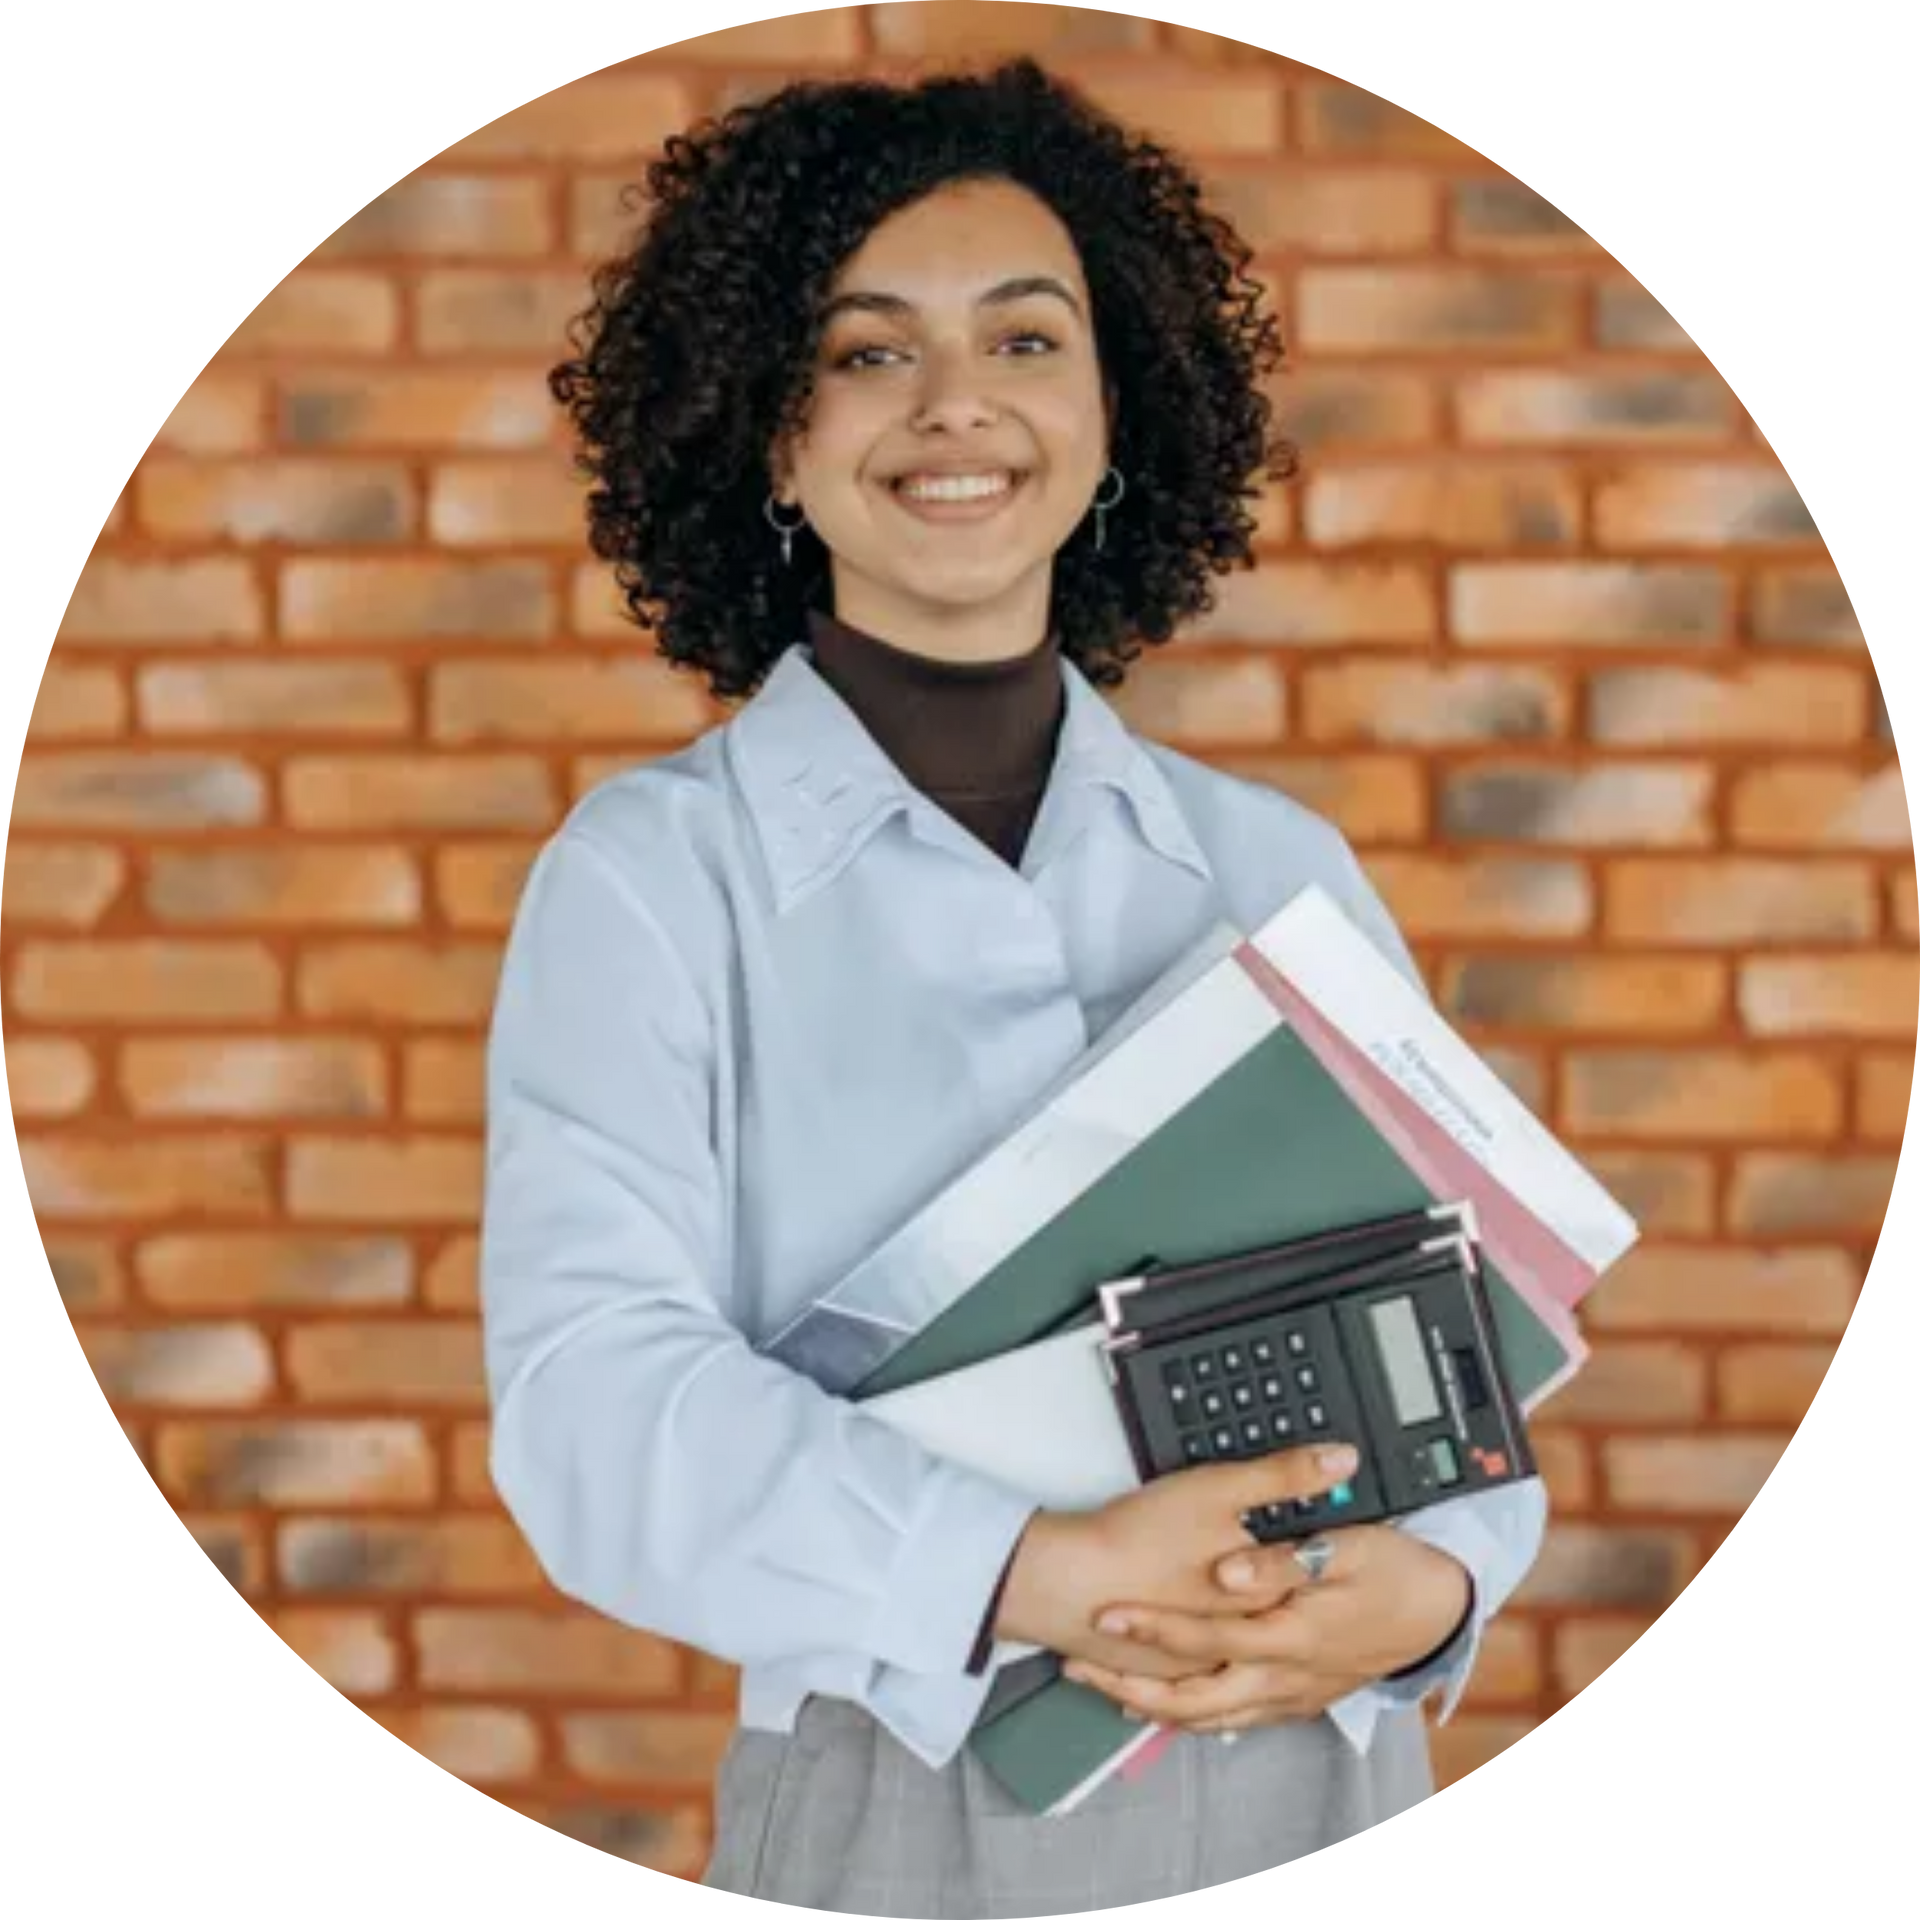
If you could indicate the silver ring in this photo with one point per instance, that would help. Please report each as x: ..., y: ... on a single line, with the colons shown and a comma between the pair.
x: 1313, y: 1557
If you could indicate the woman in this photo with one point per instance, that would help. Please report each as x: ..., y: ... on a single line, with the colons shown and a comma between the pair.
x: 913, y: 413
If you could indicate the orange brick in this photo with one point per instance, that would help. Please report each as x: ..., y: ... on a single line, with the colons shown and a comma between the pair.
x: 1692, y: 1095
x: 1369, y: 797
x: 1566, y: 1467
x: 1885, y: 1089
x: 1738, y: 903
x: 485, y: 1746
x: 297, y: 1463
x: 1558, y: 407
x: 402, y: 1182
x: 605, y: 210
x: 826, y: 36
x: 1803, y: 1196
x: 127, y: 602
x: 1626, y: 315
x: 1326, y: 213
x: 507, y: 503
x: 590, y: 770
x: 445, y: 1081
x: 235, y: 1079
x: 439, y: 216
x: 146, y: 1179
x: 1508, y: 1666
x: 1726, y: 1290
x: 1804, y: 605
x: 498, y: 1650
x: 48, y: 1079
x: 63, y: 886
x: 712, y: 1678
x: 1590, y: 1566
x: 453, y: 1275
x: 204, y: 1366
x: 1665, y: 1192
x: 1422, y: 705
x: 1308, y: 603
x: 479, y: 886
x: 1636, y: 1383
x: 1617, y: 805
x: 1875, y: 994
x: 440, y: 985
x: 351, y: 1650
x: 476, y: 311
x: 145, y: 981
x: 1701, y: 506
x: 674, y: 1748
x: 1810, y: 805
x: 384, y: 1363
x: 1585, y: 603
x: 1342, y: 119
x: 356, y: 697
x: 1208, y: 700
x: 1338, y: 409
x: 224, y: 411
x: 1500, y: 216
x: 1452, y: 506
x: 369, y: 791
x: 1584, y: 1649
x: 426, y: 599
x: 235, y: 1544
x: 596, y: 118
x: 285, y: 886
x: 305, y: 501
x: 1471, y: 1740
x: 78, y: 703
x: 596, y: 610
x: 320, y: 310
x: 1774, y: 1383
x: 1903, y: 909
x: 137, y: 792
x: 1720, y: 1473
x: 1473, y: 898
x: 419, y: 411
x: 472, y: 1480
x: 1758, y: 706
x: 642, y: 698
x: 1433, y: 309
x: 1595, y: 995
x: 1197, y: 115
x: 238, y: 1272
x: 675, y: 1841
x: 88, y: 1273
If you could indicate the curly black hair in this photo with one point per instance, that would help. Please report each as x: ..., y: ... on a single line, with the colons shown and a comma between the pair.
x: 697, y: 355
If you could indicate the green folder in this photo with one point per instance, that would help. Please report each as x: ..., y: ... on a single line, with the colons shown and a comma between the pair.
x: 1271, y: 1150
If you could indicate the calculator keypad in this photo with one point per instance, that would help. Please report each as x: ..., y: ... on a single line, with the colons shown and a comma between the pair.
x: 1235, y: 1397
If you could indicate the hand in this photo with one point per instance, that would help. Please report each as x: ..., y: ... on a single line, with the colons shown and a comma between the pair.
x: 1158, y: 1546
x: 1386, y: 1601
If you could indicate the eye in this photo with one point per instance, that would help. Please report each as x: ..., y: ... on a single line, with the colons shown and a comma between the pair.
x: 1030, y: 341
x: 869, y: 354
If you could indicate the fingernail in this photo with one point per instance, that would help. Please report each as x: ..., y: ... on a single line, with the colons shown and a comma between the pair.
x: 1238, y: 1574
x: 1340, y: 1460
x: 1131, y: 1713
x: 1118, y: 1624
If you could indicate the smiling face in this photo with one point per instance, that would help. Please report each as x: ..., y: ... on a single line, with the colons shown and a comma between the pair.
x: 957, y: 427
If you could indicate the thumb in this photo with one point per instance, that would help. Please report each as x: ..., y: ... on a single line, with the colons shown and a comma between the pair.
x: 1294, y: 1474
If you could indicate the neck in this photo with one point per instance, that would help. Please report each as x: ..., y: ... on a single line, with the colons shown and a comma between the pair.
x: 1006, y: 629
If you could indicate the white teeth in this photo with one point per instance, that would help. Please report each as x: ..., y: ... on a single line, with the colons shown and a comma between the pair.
x: 955, y: 486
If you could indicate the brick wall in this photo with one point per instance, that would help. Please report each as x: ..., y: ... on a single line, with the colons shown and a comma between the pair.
x: 1543, y: 626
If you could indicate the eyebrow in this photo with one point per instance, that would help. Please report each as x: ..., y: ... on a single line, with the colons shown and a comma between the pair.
x: 1006, y: 292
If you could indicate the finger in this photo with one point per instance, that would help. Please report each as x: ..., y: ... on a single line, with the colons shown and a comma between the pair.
x: 1184, y: 1703
x: 1199, y: 1639
x: 1262, y: 1577
x: 1295, y: 1473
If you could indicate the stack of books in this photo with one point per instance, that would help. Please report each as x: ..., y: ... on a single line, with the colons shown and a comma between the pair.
x: 1283, y: 1111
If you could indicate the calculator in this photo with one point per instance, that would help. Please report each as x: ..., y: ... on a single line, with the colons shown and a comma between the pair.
x: 1394, y: 1353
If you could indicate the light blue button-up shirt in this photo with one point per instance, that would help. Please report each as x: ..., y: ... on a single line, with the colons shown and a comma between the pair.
x: 762, y: 1001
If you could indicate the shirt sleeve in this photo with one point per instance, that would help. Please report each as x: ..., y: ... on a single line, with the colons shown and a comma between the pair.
x: 663, y: 1471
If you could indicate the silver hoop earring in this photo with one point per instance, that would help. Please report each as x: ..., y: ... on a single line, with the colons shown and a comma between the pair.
x: 786, y: 529
x: 1101, y: 508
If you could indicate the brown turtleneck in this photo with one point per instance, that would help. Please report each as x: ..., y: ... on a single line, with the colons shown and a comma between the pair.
x: 975, y: 736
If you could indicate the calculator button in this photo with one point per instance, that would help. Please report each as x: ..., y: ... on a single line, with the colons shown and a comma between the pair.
x: 1242, y: 1395
x: 1262, y: 1351
x: 1296, y: 1343
x: 1253, y: 1433
x: 1213, y: 1403
x: 1316, y: 1414
x: 1281, y: 1424
x: 1272, y: 1388
x: 1194, y: 1446
x: 1304, y: 1509
x: 1203, y: 1366
x: 1222, y: 1440
x: 1180, y: 1398
x: 1173, y: 1372
x: 1340, y: 1496
x: 1232, y: 1360
x: 1308, y: 1379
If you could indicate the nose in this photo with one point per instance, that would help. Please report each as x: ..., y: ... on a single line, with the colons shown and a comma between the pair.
x: 953, y: 394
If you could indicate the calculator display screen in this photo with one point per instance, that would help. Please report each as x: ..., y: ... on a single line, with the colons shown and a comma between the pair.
x: 1396, y: 1331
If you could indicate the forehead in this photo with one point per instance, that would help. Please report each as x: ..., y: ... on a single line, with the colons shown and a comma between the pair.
x: 968, y: 233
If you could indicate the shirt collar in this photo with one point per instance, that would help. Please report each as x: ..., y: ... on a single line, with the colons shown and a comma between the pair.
x: 818, y: 787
